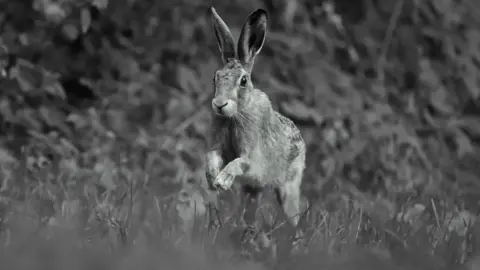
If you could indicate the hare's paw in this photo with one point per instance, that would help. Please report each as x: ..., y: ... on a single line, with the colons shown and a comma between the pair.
x: 224, y: 180
x: 211, y: 176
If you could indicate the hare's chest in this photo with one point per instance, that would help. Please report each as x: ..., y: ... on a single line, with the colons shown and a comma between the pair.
x: 242, y: 143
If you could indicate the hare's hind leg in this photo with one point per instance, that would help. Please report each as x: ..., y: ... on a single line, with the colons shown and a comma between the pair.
x: 289, y: 198
x: 250, y: 200
x: 251, y: 197
x: 288, y: 194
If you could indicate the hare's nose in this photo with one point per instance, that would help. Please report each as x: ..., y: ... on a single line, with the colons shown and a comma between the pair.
x: 221, y: 105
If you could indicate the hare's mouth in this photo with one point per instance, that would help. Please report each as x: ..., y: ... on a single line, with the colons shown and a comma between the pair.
x: 226, y: 108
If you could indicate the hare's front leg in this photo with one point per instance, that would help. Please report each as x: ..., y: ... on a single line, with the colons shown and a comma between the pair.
x: 215, y: 164
x: 237, y: 167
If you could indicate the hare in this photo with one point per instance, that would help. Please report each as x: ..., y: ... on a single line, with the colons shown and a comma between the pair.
x: 251, y: 143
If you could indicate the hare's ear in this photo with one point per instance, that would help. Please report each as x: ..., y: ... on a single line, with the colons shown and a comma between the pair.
x: 252, y: 37
x: 225, y: 41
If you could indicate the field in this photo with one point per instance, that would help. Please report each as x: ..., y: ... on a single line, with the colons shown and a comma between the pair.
x: 105, y: 110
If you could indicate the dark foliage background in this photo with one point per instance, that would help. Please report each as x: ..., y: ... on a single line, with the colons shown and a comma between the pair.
x: 104, y: 110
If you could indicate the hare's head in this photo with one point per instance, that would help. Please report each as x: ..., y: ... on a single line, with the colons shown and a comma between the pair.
x: 232, y: 83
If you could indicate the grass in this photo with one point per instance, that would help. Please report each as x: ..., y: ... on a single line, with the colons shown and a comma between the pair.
x: 114, y: 218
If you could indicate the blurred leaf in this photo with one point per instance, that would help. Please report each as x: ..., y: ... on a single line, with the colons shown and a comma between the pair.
x: 6, y: 110
x: 67, y: 145
x: 52, y: 117
x: 28, y: 80
x: 440, y: 100
x: 205, y: 73
x: 438, y: 93
x: 55, y: 89
x: 470, y: 78
x: 297, y: 108
x: 300, y: 111
x: 355, y: 148
x: 77, y: 120
x: 125, y: 63
x: 178, y: 108
x: 85, y: 20
x: 464, y: 145
x: 95, y: 123
x: 53, y: 10
x: 106, y: 169
x: 117, y: 119
x: 69, y: 166
x: 143, y: 138
x: 6, y: 157
x: 70, y: 31
x: 28, y: 117
x: 100, y: 4
x: 450, y: 9
x: 289, y: 12
x: 469, y: 123
x: 281, y: 87
x: 187, y: 79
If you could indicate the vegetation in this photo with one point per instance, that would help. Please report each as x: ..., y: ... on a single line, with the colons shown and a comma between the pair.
x: 104, y: 110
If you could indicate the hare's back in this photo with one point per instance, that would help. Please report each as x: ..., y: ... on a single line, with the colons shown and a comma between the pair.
x: 289, y: 127
x: 296, y: 145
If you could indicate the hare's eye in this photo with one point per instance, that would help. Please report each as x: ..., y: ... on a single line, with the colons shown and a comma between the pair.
x: 243, y: 81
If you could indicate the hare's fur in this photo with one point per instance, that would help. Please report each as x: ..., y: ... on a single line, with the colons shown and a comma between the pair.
x: 251, y: 143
